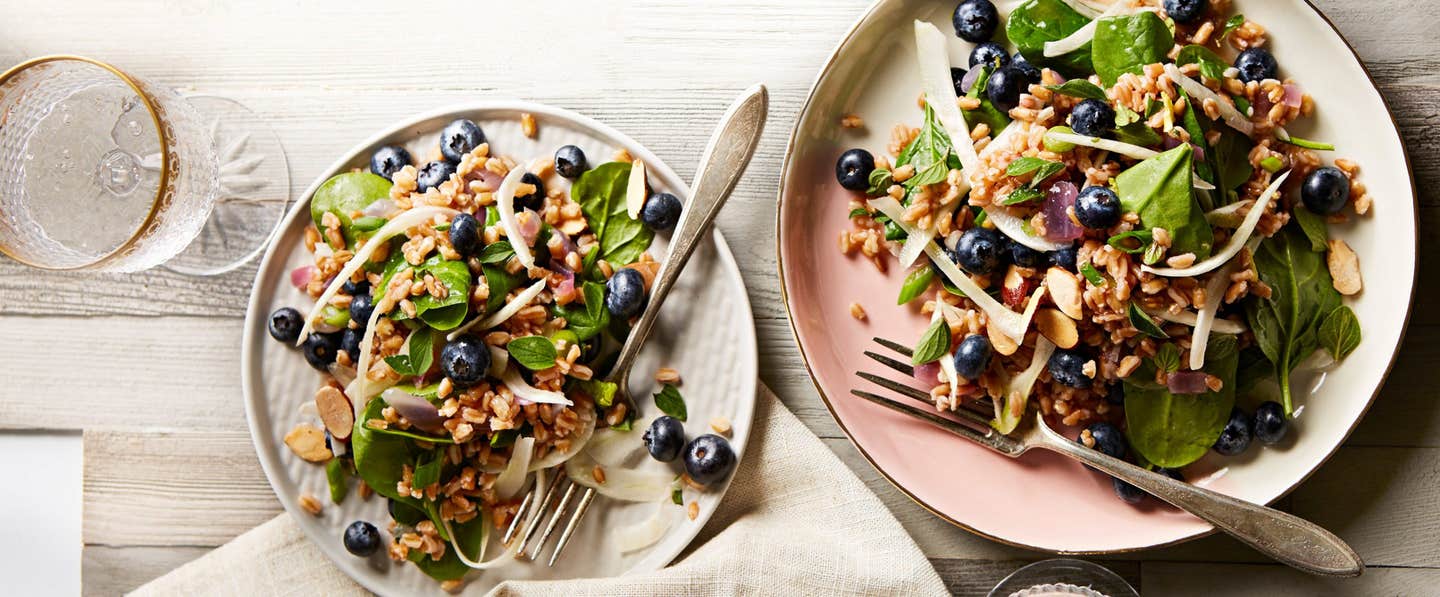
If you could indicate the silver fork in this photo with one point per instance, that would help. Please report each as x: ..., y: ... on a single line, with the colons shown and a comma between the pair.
x: 1284, y: 537
x: 720, y: 168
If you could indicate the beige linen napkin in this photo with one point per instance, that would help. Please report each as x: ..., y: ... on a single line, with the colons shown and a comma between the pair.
x: 795, y: 520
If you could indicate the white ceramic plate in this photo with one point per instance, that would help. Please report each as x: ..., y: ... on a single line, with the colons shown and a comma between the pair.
x: 705, y: 332
x: 873, y: 73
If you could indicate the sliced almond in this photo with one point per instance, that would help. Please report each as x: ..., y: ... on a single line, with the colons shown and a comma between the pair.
x: 1065, y: 291
x: 1057, y: 328
x: 308, y: 442
x: 1000, y: 342
x: 635, y: 192
x: 1015, y: 289
x: 335, y: 411
x: 1344, y: 268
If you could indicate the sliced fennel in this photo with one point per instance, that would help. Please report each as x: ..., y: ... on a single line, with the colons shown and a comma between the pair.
x: 1126, y: 149
x: 1205, y: 318
x: 645, y: 533
x: 1085, y: 34
x: 1086, y: 8
x: 1011, y: 407
x: 526, y: 392
x: 512, y: 480
x: 1221, y: 326
x: 498, y: 317
x: 621, y: 482
x: 930, y: 46
x: 1232, y: 247
x: 360, y: 389
x: 1014, y: 228
x: 1199, y: 93
x: 584, y: 431
x: 1227, y: 216
x: 505, y: 205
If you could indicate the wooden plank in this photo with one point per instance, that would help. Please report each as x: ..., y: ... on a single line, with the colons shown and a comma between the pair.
x: 118, y: 570
x: 1207, y: 580
x: 172, y: 488
x: 977, y: 577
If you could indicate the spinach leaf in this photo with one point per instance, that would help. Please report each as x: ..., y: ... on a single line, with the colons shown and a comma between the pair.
x: 1142, y: 321
x: 915, y: 283
x: 380, y: 458
x: 496, y: 253
x: 1340, y: 332
x: 1137, y: 133
x: 1195, y: 123
x: 670, y: 402
x: 1159, y: 190
x: 1313, y: 226
x: 1124, y: 44
x: 1173, y: 430
x: 588, y: 319
x: 448, y: 567
x: 934, y: 343
x: 1079, y: 88
x: 1231, y: 25
x: 533, y: 352
x: 500, y: 283
x: 504, y: 437
x: 1212, y: 66
x: 600, y: 192
x: 1301, y: 296
x: 440, y: 313
x: 880, y: 181
x: 1035, y: 22
x: 470, y: 535
x: 1231, y: 157
x: 335, y: 477
x: 434, y: 439
x: 927, y: 153
x: 345, y: 193
x: 420, y: 357
x: 1253, y: 367
x: 368, y: 223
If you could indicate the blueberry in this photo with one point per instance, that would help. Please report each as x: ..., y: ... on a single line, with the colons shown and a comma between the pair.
x: 625, y: 293
x: 458, y: 138
x: 708, y: 459
x: 465, y: 234
x: 1115, y: 394
x: 285, y: 325
x: 661, y: 211
x: 853, y: 169
x: 975, y: 20
x: 361, y: 306
x: 1108, y: 440
x: 1092, y: 118
x: 1270, y: 423
x: 980, y: 251
x: 433, y: 174
x: 1127, y: 493
x: 1325, y: 191
x: 1004, y: 88
x: 665, y: 438
x: 1097, y: 208
x: 989, y: 54
x: 1065, y: 258
x: 354, y: 288
x: 1185, y: 11
x: 1031, y: 72
x: 388, y: 160
x: 464, y: 361
x: 350, y: 342
x: 320, y: 350
x: 1257, y: 64
x: 972, y: 356
x: 362, y: 538
x: 1024, y: 256
x: 570, y: 161
x: 957, y: 77
x: 1068, y: 368
x: 535, y: 199
x: 1235, y: 438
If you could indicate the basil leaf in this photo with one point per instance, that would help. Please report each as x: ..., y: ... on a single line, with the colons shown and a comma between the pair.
x: 1313, y: 226
x: 858, y: 212
x: 589, y: 319
x: 496, y: 253
x: 677, y: 496
x: 670, y: 402
x: 1024, y: 165
x: 1231, y: 25
x: 1079, y: 88
x: 1022, y: 195
x: 1126, y: 43
x: 500, y: 283
x: 504, y: 437
x: 933, y: 344
x: 1142, y: 321
x: 1121, y: 241
x: 880, y: 181
x: 927, y: 153
x: 344, y: 194
x: 1173, y: 430
x: 1093, y: 275
x: 535, y: 353
x: 1035, y: 22
x: 1212, y: 66
x: 915, y: 284
x: 1159, y: 190
x: 422, y: 350
x: 1340, y: 333
x: 1167, y: 358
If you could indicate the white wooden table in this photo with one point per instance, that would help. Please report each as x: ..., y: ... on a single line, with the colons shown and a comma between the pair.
x: 147, y: 365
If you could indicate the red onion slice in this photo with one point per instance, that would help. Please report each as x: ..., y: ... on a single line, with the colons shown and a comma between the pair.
x: 1059, y: 199
x: 969, y: 79
x: 1187, y: 382
x: 489, y: 181
x: 1293, y: 96
x: 300, y: 277
x: 382, y: 208
x: 928, y: 374
x: 415, y: 409
x: 530, y: 227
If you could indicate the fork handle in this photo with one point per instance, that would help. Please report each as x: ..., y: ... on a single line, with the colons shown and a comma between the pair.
x: 1286, y: 538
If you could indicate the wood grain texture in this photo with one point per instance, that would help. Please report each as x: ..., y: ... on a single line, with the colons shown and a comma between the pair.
x: 1207, y: 580
x: 106, y: 570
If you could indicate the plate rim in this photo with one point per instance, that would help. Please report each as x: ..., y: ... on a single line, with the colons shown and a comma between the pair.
x: 785, y: 174
x: 250, y: 334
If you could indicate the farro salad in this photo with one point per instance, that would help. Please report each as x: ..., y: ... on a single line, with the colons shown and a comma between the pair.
x: 1115, y: 224
x: 466, y: 313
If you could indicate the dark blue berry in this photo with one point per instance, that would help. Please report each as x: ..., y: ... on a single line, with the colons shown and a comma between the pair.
x: 1024, y: 256
x: 1097, y: 208
x: 350, y: 342
x: 661, y: 211
x: 853, y: 169
x: 361, y: 306
x: 465, y: 360
x: 1092, y: 118
x: 1257, y: 64
x: 989, y: 54
x: 1185, y: 11
x: 320, y: 350
x: 465, y: 234
x: 625, y: 293
x: 535, y: 199
x: 665, y: 438
x: 285, y: 324
x: 1235, y: 438
x: 1108, y: 440
x: 1127, y: 493
x: 1270, y: 423
x: 354, y: 288
x: 1031, y: 72
x: 458, y: 138
x: 1004, y: 88
x: 433, y: 174
x: 1065, y: 258
x: 709, y: 458
x: 975, y: 20
x: 1068, y: 368
x: 957, y: 78
x: 1116, y: 394
x: 388, y: 160
x: 972, y: 356
x: 570, y: 161
x: 980, y: 251
x: 1325, y: 191
x: 362, y: 539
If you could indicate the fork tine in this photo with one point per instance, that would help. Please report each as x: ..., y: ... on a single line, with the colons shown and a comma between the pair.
x: 895, y: 346
x: 574, y: 523
x: 534, y: 523
x: 519, y: 515
x: 954, y: 427
x: 903, y: 368
x: 896, y: 387
x: 554, y: 519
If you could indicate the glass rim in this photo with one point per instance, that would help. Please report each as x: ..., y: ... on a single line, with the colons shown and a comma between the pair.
x: 152, y: 107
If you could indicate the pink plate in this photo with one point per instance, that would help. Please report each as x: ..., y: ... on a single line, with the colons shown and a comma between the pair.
x: 1043, y: 501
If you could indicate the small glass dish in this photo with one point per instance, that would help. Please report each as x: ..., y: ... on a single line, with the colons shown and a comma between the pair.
x: 1063, y: 578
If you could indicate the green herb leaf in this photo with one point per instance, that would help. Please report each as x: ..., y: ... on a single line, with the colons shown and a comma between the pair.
x: 858, y: 212
x: 1035, y: 22
x: 434, y: 439
x: 1212, y: 66
x: 1159, y: 189
x: 1093, y: 275
x: 504, y: 437
x: 1123, y: 241
x: 1196, y: 123
x: 379, y: 457
x: 1137, y: 133
x: 335, y: 477
x: 677, y: 496
x: 1126, y: 43
x: 1022, y: 195
x: 601, y: 192
x: 1142, y: 321
x: 1025, y: 165
x: 934, y: 343
x: 535, y: 353
x: 421, y: 354
x: 987, y: 113
x: 880, y: 181
x: 1308, y: 144
x: 1167, y: 358
x: 670, y: 402
x: 1231, y: 25
x: 496, y: 253
x: 927, y: 153
x: 588, y: 319
x: 1313, y: 226
x: 344, y: 194
x: 1153, y: 254
x: 1173, y: 430
x: 1231, y: 157
x: 1340, y: 332
x: 1079, y: 88
x: 916, y: 282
